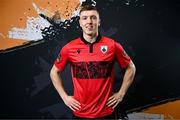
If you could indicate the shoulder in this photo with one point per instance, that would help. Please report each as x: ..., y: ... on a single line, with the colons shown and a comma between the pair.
x: 112, y: 43
x: 109, y: 41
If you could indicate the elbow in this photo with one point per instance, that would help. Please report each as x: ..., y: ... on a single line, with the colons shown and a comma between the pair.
x: 53, y: 72
x: 132, y: 68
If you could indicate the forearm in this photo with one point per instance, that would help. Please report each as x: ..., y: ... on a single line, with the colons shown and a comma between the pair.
x: 58, y: 84
x: 72, y: 103
x: 116, y: 98
x: 128, y: 79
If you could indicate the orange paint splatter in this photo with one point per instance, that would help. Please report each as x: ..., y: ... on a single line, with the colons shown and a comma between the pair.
x: 169, y: 110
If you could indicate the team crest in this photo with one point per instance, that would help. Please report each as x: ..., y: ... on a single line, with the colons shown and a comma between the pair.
x: 104, y: 49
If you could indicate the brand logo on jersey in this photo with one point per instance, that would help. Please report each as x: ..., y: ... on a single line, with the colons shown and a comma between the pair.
x: 78, y: 51
x: 104, y: 49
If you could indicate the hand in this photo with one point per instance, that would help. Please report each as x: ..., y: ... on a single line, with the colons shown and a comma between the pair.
x: 114, y: 100
x: 72, y: 103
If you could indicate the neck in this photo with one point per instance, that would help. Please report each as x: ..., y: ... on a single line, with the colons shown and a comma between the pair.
x: 90, y: 38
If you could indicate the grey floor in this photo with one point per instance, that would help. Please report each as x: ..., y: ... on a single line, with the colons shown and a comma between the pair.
x: 146, y: 116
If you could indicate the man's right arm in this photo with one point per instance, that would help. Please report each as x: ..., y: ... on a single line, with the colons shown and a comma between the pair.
x: 58, y: 84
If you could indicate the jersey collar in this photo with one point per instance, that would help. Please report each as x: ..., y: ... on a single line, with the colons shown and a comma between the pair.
x: 86, y: 42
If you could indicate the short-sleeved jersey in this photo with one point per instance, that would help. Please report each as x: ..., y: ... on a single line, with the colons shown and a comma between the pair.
x: 92, y: 72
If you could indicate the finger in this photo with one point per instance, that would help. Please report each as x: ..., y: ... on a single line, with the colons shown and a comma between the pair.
x: 112, y: 103
x: 72, y: 108
x: 109, y: 102
x: 109, y: 99
x: 77, y: 102
x: 76, y: 105
x: 115, y: 105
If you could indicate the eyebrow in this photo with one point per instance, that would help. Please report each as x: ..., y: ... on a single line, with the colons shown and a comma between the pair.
x: 88, y: 16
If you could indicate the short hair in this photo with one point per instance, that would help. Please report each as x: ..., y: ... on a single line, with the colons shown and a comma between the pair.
x: 87, y: 8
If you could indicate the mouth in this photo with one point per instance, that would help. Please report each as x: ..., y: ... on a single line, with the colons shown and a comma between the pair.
x: 89, y: 28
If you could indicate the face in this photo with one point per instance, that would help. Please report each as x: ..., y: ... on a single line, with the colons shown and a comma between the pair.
x: 89, y: 22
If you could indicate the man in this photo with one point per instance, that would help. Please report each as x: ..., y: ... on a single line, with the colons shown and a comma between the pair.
x: 92, y: 59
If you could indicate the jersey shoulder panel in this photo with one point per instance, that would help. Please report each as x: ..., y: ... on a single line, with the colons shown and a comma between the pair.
x: 107, y: 39
x: 111, y: 42
x: 74, y: 42
x: 69, y: 45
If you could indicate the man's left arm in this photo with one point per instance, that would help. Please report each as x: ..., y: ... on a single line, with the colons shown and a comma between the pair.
x: 116, y: 98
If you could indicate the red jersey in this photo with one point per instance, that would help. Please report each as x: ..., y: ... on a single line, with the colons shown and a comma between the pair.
x: 92, y: 72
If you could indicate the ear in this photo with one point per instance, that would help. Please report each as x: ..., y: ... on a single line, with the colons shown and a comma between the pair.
x: 79, y: 22
x: 99, y: 22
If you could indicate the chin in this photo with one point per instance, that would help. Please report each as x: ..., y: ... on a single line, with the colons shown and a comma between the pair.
x: 90, y: 32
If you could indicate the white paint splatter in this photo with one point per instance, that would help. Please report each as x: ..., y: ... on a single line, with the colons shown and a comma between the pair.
x: 32, y: 30
x: 36, y: 8
x: 127, y: 2
x: 81, y: 1
x: 94, y: 3
x: 75, y: 13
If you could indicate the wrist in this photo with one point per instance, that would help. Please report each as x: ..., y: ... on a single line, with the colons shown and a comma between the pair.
x: 64, y: 96
x: 121, y: 94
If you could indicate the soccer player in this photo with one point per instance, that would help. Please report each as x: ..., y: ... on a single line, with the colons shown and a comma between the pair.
x: 92, y: 58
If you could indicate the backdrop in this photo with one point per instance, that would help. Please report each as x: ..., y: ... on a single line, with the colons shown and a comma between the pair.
x: 148, y: 30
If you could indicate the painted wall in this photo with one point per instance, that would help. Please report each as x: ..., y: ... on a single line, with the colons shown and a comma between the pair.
x: 20, y: 22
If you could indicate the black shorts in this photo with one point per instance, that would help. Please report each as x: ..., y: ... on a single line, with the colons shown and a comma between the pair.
x: 109, y: 117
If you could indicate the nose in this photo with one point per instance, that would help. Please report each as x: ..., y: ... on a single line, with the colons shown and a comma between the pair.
x: 89, y: 20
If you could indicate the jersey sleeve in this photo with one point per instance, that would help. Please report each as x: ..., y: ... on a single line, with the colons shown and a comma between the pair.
x: 62, y: 59
x: 121, y: 56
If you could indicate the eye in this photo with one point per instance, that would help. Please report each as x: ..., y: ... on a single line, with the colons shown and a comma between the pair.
x: 94, y: 17
x: 84, y: 18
